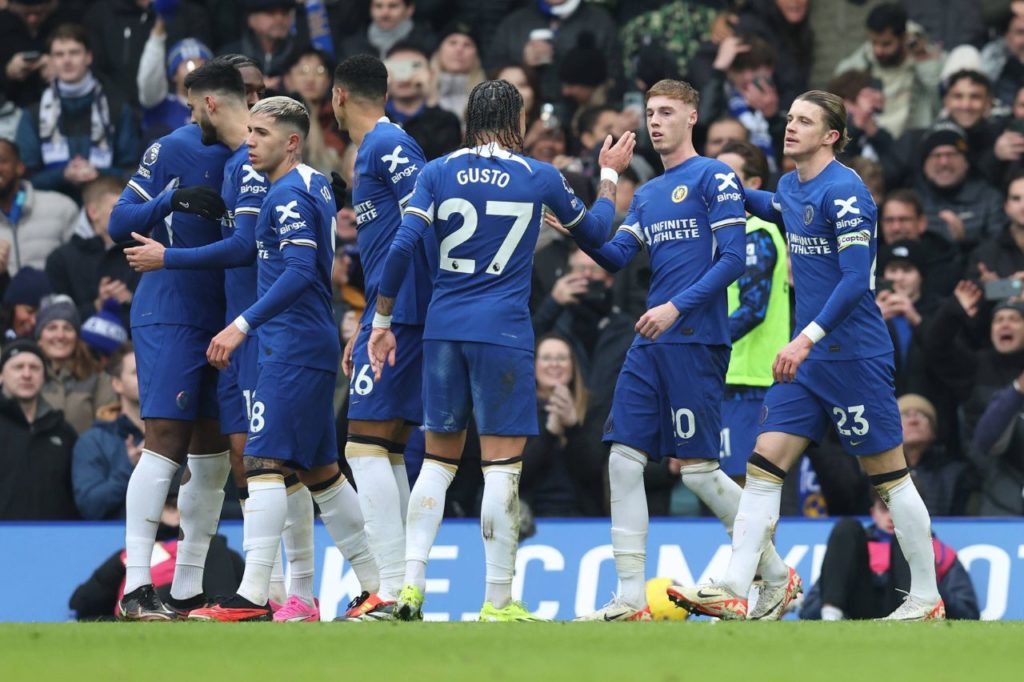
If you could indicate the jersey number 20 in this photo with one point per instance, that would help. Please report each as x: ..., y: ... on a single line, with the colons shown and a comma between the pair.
x: 521, y: 211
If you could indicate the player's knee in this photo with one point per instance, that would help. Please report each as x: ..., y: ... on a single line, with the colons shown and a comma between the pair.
x: 366, y: 446
x: 624, y: 462
x: 322, y: 479
x: 260, y: 469
x: 168, y: 438
x: 761, y: 469
x: 511, y: 465
x: 885, y: 483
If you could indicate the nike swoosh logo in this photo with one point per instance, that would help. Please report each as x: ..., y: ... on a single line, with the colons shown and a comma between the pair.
x: 855, y: 443
x: 610, y: 619
x: 700, y: 593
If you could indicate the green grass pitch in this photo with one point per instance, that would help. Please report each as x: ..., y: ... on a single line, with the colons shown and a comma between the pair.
x: 655, y: 652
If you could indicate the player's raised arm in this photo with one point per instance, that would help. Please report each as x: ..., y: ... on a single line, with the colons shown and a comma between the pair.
x: 144, y: 203
x: 763, y: 205
x: 591, y: 228
x: 612, y: 255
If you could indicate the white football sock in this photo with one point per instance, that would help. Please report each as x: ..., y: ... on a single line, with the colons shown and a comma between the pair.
x: 265, y: 511
x: 722, y: 496
x: 380, y: 504
x: 629, y: 521
x: 756, y: 518
x: 499, y: 526
x: 401, y: 475
x: 914, y: 532
x: 144, y: 502
x: 200, y: 500
x: 426, y: 508
x: 339, y: 510
x: 278, y: 590
x: 298, y: 543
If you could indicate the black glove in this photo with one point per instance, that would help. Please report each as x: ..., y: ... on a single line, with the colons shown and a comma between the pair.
x: 339, y: 186
x: 205, y: 202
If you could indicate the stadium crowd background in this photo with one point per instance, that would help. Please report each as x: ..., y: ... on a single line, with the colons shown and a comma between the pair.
x: 935, y: 94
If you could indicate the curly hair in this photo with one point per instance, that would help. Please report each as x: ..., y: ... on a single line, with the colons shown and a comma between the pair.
x: 493, y: 114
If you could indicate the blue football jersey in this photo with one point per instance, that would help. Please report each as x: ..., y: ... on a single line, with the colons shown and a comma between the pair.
x: 831, y: 212
x: 243, y: 192
x: 299, y: 213
x: 486, y: 205
x: 675, y: 218
x: 387, y: 165
x: 173, y: 296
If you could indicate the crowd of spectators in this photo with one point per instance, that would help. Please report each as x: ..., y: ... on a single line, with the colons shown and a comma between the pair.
x: 935, y: 96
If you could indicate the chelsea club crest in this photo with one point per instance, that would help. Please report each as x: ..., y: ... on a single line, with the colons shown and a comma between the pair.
x: 679, y: 194
x: 808, y: 214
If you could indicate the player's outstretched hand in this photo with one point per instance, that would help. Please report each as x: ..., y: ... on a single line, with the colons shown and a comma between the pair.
x: 205, y: 202
x: 346, y: 356
x: 147, y: 257
x: 656, y: 320
x: 553, y: 222
x: 381, y: 349
x: 222, y: 345
x: 790, y: 358
x: 617, y: 156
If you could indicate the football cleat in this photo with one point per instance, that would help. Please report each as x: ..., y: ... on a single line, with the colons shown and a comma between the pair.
x: 355, y: 607
x: 144, y: 604
x: 773, y: 599
x: 385, y: 610
x: 709, y: 600
x: 183, y: 607
x: 913, y: 608
x: 409, y: 605
x: 296, y: 610
x: 515, y: 612
x: 234, y: 609
x: 617, y: 611
x: 274, y: 606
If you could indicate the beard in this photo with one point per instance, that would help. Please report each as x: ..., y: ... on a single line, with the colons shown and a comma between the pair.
x: 209, y: 133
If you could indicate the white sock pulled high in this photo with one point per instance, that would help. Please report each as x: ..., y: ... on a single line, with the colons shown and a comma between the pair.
x: 401, y: 475
x: 913, y: 529
x: 144, y: 502
x: 629, y: 521
x: 381, y: 507
x: 298, y: 542
x: 722, y: 496
x: 265, y: 511
x: 756, y: 517
x: 499, y: 526
x: 426, y: 508
x: 200, y: 500
x: 339, y: 510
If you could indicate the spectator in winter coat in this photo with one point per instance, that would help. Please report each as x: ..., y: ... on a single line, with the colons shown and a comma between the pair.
x: 36, y: 453
x: 32, y: 222
x: 105, y: 455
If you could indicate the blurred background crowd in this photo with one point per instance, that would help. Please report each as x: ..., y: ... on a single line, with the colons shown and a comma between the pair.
x: 935, y: 95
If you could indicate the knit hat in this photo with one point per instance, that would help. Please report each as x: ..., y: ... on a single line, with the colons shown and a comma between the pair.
x: 943, y: 133
x: 57, y: 307
x: 584, y: 64
x: 184, y: 50
x: 913, y: 401
x: 460, y: 26
x: 909, y: 251
x: 104, y: 331
x: 20, y: 346
x: 1010, y: 305
x: 267, y: 5
x: 27, y: 287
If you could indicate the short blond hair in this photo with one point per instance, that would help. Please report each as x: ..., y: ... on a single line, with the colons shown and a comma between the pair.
x: 680, y: 90
x: 284, y: 110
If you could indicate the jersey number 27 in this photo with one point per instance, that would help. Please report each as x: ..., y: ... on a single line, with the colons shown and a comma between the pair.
x: 520, y: 210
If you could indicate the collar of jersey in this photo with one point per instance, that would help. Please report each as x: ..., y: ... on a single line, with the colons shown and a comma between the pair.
x: 490, y: 150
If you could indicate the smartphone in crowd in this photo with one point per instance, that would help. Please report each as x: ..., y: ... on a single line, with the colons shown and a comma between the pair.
x: 1002, y: 289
